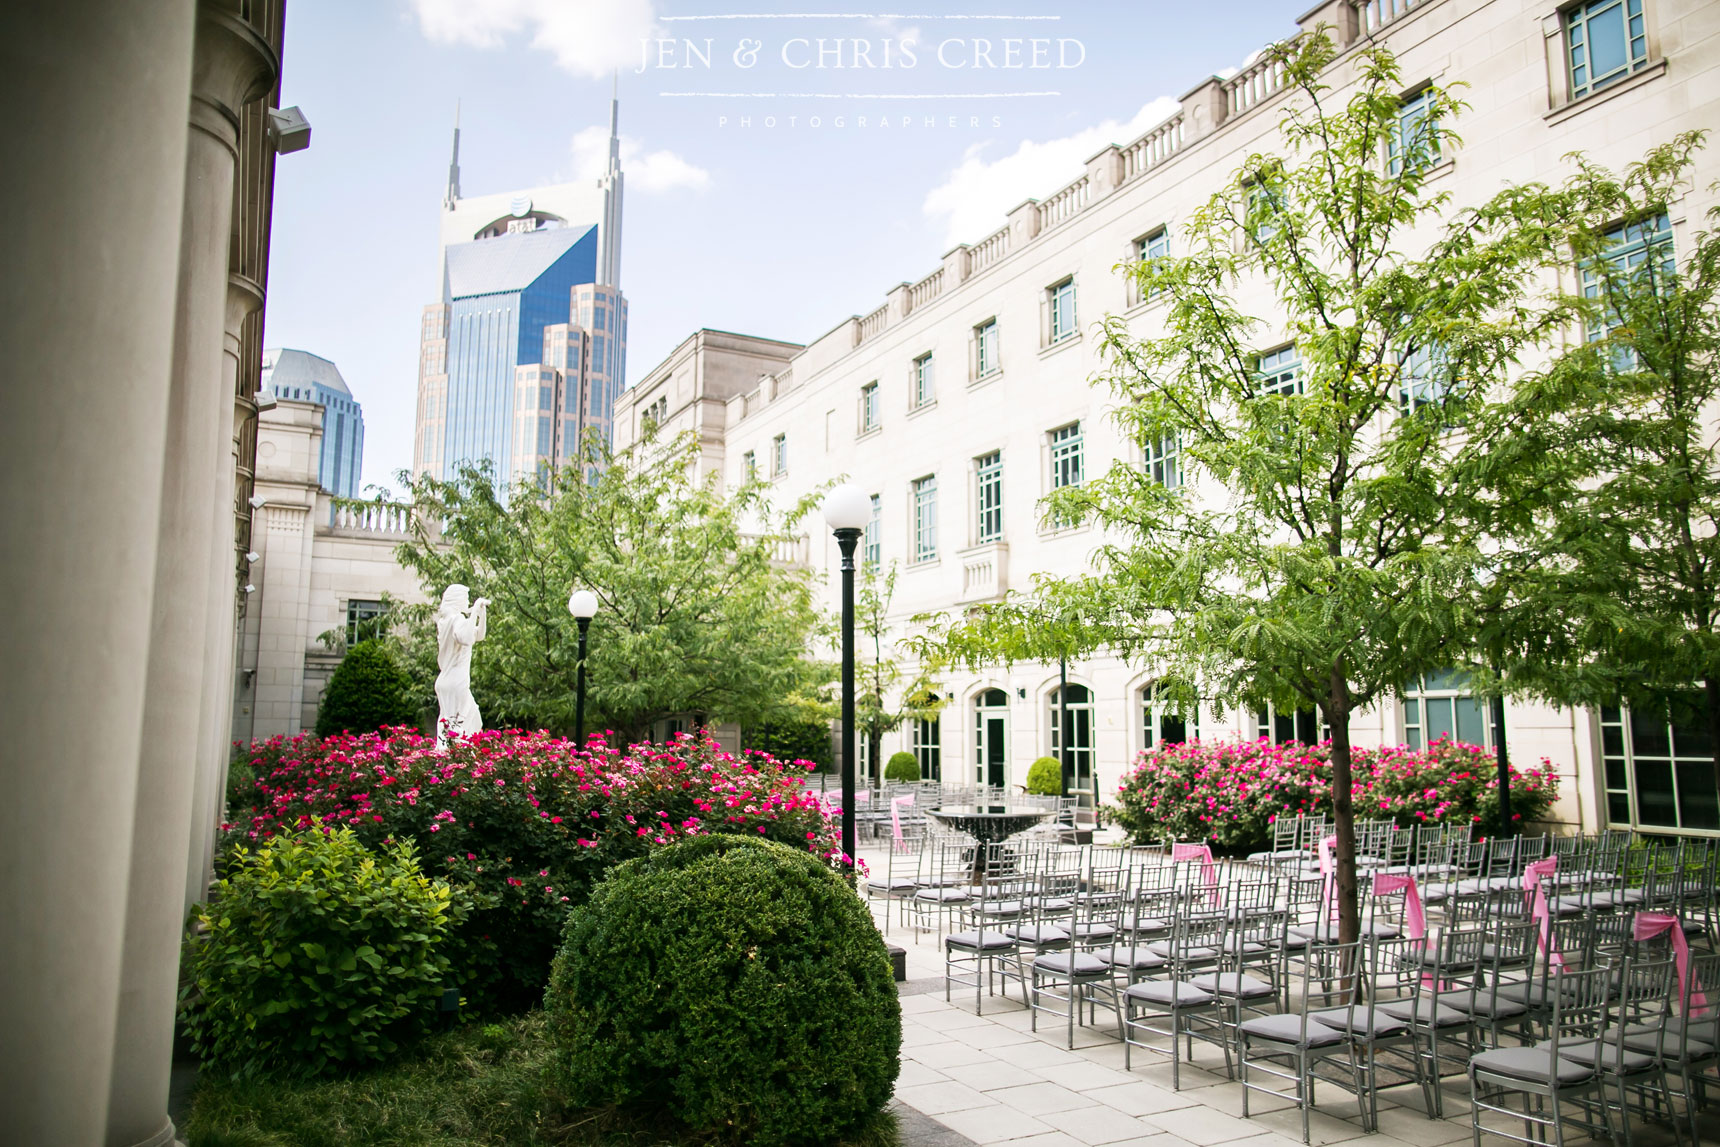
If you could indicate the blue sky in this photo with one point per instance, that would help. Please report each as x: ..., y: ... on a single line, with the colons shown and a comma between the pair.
x: 780, y: 231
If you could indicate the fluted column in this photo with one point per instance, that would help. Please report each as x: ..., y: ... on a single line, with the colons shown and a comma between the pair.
x: 93, y: 148
x: 232, y: 66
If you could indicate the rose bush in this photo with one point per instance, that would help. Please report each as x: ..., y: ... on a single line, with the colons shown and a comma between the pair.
x: 530, y: 821
x: 1231, y: 792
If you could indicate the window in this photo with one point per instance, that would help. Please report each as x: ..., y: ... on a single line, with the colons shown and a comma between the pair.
x: 363, y: 621
x: 924, y: 392
x: 1659, y: 765
x: 871, y: 551
x: 1066, y: 467
x: 928, y: 748
x: 1265, y: 204
x: 1605, y: 41
x: 749, y: 465
x: 1637, y: 253
x: 1414, y: 143
x: 1062, y: 302
x: 1424, y: 377
x: 779, y: 456
x: 985, y: 349
x: 1164, y: 722
x: 1151, y: 248
x: 988, y: 497
x: 1164, y: 460
x: 1280, y: 372
x: 868, y: 407
x: 1303, y: 725
x: 1440, y: 705
x: 926, y: 518
x: 1079, y: 731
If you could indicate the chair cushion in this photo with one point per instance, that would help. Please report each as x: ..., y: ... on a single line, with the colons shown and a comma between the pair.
x: 1368, y: 1022
x: 998, y: 908
x: 1038, y: 935
x: 1482, y: 1003
x: 1532, y: 1064
x: 1288, y: 1029
x: 977, y: 941
x: 1083, y: 964
x: 1136, y: 959
x: 1169, y: 993
x: 1098, y: 931
x: 899, y: 884
x: 1611, y: 1058
x: 1646, y: 1038
x: 1052, y: 903
x: 1424, y: 1013
x: 1163, y: 948
x: 1327, y: 933
x: 943, y: 895
x: 1234, y: 984
x: 1147, y: 924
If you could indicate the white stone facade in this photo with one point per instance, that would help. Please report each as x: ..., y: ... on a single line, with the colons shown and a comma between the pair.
x: 818, y: 418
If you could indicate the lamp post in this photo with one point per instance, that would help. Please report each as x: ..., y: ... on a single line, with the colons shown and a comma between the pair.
x: 583, y: 605
x: 847, y: 510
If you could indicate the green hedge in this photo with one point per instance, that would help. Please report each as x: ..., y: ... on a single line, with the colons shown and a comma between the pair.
x: 902, y: 767
x: 1045, y: 777
x: 368, y: 691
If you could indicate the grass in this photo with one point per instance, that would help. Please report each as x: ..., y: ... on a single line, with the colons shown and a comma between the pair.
x: 477, y: 1086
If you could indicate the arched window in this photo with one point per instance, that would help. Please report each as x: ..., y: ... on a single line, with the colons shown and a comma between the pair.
x: 1077, y: 726
x: 991, y: 738
x: 1164, y: 721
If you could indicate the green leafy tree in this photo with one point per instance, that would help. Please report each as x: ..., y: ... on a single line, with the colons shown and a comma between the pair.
x: 367, y: 690
x: 698, y: 613
x: 1313, y: 550
x: 881, y: 703
x: 1607, y: 585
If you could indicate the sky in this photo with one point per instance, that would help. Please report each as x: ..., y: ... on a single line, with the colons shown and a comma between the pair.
x: 783, y: 170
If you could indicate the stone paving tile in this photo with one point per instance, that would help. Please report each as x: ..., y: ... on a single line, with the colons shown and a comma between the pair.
x: 1140, y: 1098
x: 913, y: 1074
x: 992, y: 1075
x: 1097, y: 1124
x: 1083, y: 1076
x: 1035, y: 1054
x: 1051, y: 1139
x: 941, y: 1098
x: 949, y: 1054
x: 1322, y: 1128
x: 1412, y: 1126
x: 951, y: 1019
x: 993, y: 1124
x: 1040, y: 1098
x: 1204, y: 1125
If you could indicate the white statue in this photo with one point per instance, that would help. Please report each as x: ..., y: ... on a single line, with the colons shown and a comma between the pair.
x: 458, y: 628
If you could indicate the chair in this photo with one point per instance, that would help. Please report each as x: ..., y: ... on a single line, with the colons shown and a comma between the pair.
x: 1074, y: 975
x: 1392, y: 975
x: 943, y: 885
x: 1491, y: 1000
x: 1172, y: 1000
x: 1418, y: 972
x: 977, y: 950
x: 1644, y: 995
x: 898, y: 883
x: 1293, y: 1045
x: 1688, y: 1043
x: 1553, y: 1071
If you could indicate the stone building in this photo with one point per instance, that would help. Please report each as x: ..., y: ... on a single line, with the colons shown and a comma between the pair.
x: 964, y: 398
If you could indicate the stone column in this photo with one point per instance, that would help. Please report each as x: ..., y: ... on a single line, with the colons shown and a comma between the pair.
x: 94, y: 151
x: 232, y: 65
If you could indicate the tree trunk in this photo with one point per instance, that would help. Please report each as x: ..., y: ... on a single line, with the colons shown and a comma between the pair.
x: 1337, y: 708
x: 875, y: 748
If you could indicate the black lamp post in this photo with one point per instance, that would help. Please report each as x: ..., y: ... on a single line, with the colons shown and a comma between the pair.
x: 583, y: 605
x: 847, y: 510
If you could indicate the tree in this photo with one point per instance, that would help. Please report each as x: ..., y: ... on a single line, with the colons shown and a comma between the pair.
x: 1608, y: 586
x: 1300, y: 540
x: 878, y: 675
x: 697, y: 613
x: 367, y: 690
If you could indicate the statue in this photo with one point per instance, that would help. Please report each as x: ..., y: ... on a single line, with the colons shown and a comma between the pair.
x: 458, y: 628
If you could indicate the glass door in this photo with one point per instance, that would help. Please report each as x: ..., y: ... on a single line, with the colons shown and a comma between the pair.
x: 991, y: 738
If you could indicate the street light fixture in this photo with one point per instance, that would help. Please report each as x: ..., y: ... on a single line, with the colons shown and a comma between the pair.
x: 582, y: 603
x: 847, y: 509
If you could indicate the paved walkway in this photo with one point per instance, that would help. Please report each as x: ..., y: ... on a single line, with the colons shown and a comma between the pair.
x: 990, y: 1079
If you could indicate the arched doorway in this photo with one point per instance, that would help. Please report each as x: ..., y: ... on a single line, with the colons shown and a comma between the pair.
x: 991, y: 738
x: 1079, y: 731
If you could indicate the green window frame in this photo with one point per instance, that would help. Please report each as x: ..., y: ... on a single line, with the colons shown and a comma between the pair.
x: 1605, y: 41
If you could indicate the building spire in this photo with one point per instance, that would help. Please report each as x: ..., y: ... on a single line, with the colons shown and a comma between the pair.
x: 453, y: 194
x: 609, y: 267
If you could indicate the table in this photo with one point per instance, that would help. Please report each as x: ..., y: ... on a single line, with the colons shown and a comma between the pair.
x: 989, y: 824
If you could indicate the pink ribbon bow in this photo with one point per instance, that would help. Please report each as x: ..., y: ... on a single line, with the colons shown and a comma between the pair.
x: 1647, y: 925
x: 1414, y: 915
x: 896, y: 804
x: 1534, y: 877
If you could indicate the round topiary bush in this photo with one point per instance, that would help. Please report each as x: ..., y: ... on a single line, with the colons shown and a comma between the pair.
x: 1045, y: 777
x: 902, y: 767
x: 737, y: 985
x: 367, y: 690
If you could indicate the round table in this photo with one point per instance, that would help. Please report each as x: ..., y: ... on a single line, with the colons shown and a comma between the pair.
x: 989, y: 824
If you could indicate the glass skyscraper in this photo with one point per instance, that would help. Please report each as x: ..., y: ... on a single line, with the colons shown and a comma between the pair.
x: 304, y: 377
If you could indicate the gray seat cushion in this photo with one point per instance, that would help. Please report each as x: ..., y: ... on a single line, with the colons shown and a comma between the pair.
x: 1169, y: 993
x: 999, y: 908
x: 1136, y: 959
x: 1367, y: 1022
x: 1646, y: 1038
x: 1425, y: 1013
x: 1531, y: 1064
x: 1483, y: 1004
x: 1289, y: 1030
x: 1084, y: 964
x: 1611, y: 1058
x: 943, y: 895
x: 1163, y: 948
x: 1038, y: 935
x: 901, y: 884
x: 977, y: 941
x: 1234, y: 984
x: 1094, y: 932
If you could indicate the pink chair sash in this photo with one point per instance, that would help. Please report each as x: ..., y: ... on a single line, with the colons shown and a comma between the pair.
x: 1182, y: 853
x: 896, y: 804
x: 1414, y: 914
x: 1647, y: 925
x: 1534, y: 876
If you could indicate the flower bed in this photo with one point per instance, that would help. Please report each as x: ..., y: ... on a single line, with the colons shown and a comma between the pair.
x: 1231, y: 792
x: 530, y: 821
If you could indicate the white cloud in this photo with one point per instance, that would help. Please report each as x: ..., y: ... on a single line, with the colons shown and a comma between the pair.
x: 586, y: 37
x: 975, y: 197
x: 646, y: 171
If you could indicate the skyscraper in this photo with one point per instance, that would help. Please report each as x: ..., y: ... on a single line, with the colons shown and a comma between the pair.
x: 300, y: 375
x: 526, y: 351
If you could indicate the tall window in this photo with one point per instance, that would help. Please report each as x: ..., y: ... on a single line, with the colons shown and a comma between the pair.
x: 1062, y: 302
x: 988, y: 499
x: 868, y: 407
x: 749, y: 465
x: 926, y: 518
x: 928, y: 748
x: 1659, y: 765
x: 1414, y: 143
x: 1440, y: 705
x: 1424, y: 377
x: 871, y: 552
x: 363, y: 621
x: 923, y: 389
x: 1635, y: 252
x: 1605, y: 41
x: 1163, y: 722
x: 1066, y: 463
x: 779, y: 456
x: 1150, y: 248
x: 1080, y: 736
x: 985, y: 349
x: 1265, y: 203
x: 1164, y: 460
x: 1280, y: 372
x: 1303, y: 725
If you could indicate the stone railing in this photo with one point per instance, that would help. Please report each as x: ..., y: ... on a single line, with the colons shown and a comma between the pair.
x: 985, y: 572
x: 988, y: 250
x: 1372, y: 15
x: 1252, y: 85
x: 873, y: 324
x: 795, y: 550
x: 926, y: 290
x: 352, y: 516
x: 1153, y: 148
x: 1066, y: 204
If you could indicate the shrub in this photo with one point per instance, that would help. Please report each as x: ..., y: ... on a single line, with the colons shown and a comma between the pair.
x: 734, y: 983
x: 1231, y: 792
x: 528, y: 819
x: 317, y: 954
x: 793, y: 739
x: 369, y: 690
x: 1045, y: 777
x: 902, y: 767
